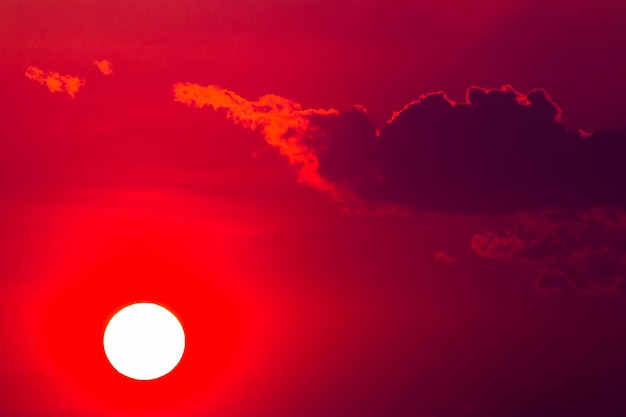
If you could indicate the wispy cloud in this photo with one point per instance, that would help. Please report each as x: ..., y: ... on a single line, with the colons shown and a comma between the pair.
x: 563, y: 250
x: 55, y: 82
x: 105, y: 66
x: 283, y: 123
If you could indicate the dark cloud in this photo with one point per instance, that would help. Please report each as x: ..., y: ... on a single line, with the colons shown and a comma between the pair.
x: 564, y: 250
x: 500, y: 152
x: 504, y: 154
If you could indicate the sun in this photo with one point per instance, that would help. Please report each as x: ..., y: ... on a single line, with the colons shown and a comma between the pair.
x: 144, y: 341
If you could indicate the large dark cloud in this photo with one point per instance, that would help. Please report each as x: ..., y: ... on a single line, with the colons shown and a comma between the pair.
x: 561, y: 192
x: 500, y: 152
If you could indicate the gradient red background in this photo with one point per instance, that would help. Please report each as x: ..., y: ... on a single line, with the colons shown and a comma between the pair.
x: 292, y: 306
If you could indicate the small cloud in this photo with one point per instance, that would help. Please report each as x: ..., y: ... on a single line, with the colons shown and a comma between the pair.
x: 552, y: 280
x: 506, y: 245
x: 105, y: 66
x: 55, y: 82
x: 443, y: 258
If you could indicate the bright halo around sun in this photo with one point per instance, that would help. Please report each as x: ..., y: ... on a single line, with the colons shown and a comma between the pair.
x: 144, y: 341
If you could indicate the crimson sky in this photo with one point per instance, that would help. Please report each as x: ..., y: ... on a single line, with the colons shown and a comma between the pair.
x: 357, y: 208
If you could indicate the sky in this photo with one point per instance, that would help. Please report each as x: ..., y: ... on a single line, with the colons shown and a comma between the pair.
x: 356, y: 208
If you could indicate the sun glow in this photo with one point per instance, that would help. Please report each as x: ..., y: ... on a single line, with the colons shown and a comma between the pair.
x: 144, y: 341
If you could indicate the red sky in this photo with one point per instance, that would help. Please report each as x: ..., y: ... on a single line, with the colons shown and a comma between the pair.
x: 357, y: 208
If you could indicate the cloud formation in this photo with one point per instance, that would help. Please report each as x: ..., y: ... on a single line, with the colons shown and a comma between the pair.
x: 282, y: 122
x: 500, y: 153
x: 564, y: 250
x: 55, y: 82
x: 105, y: 66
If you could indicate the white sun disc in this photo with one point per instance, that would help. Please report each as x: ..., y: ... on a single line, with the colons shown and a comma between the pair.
x: 144, y: 341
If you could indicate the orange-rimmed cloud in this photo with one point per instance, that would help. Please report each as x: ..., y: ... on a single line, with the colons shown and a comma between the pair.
x: 105, y: 66
x: 284, y: 124
x: 499, y: 152
x: 55, y: 82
